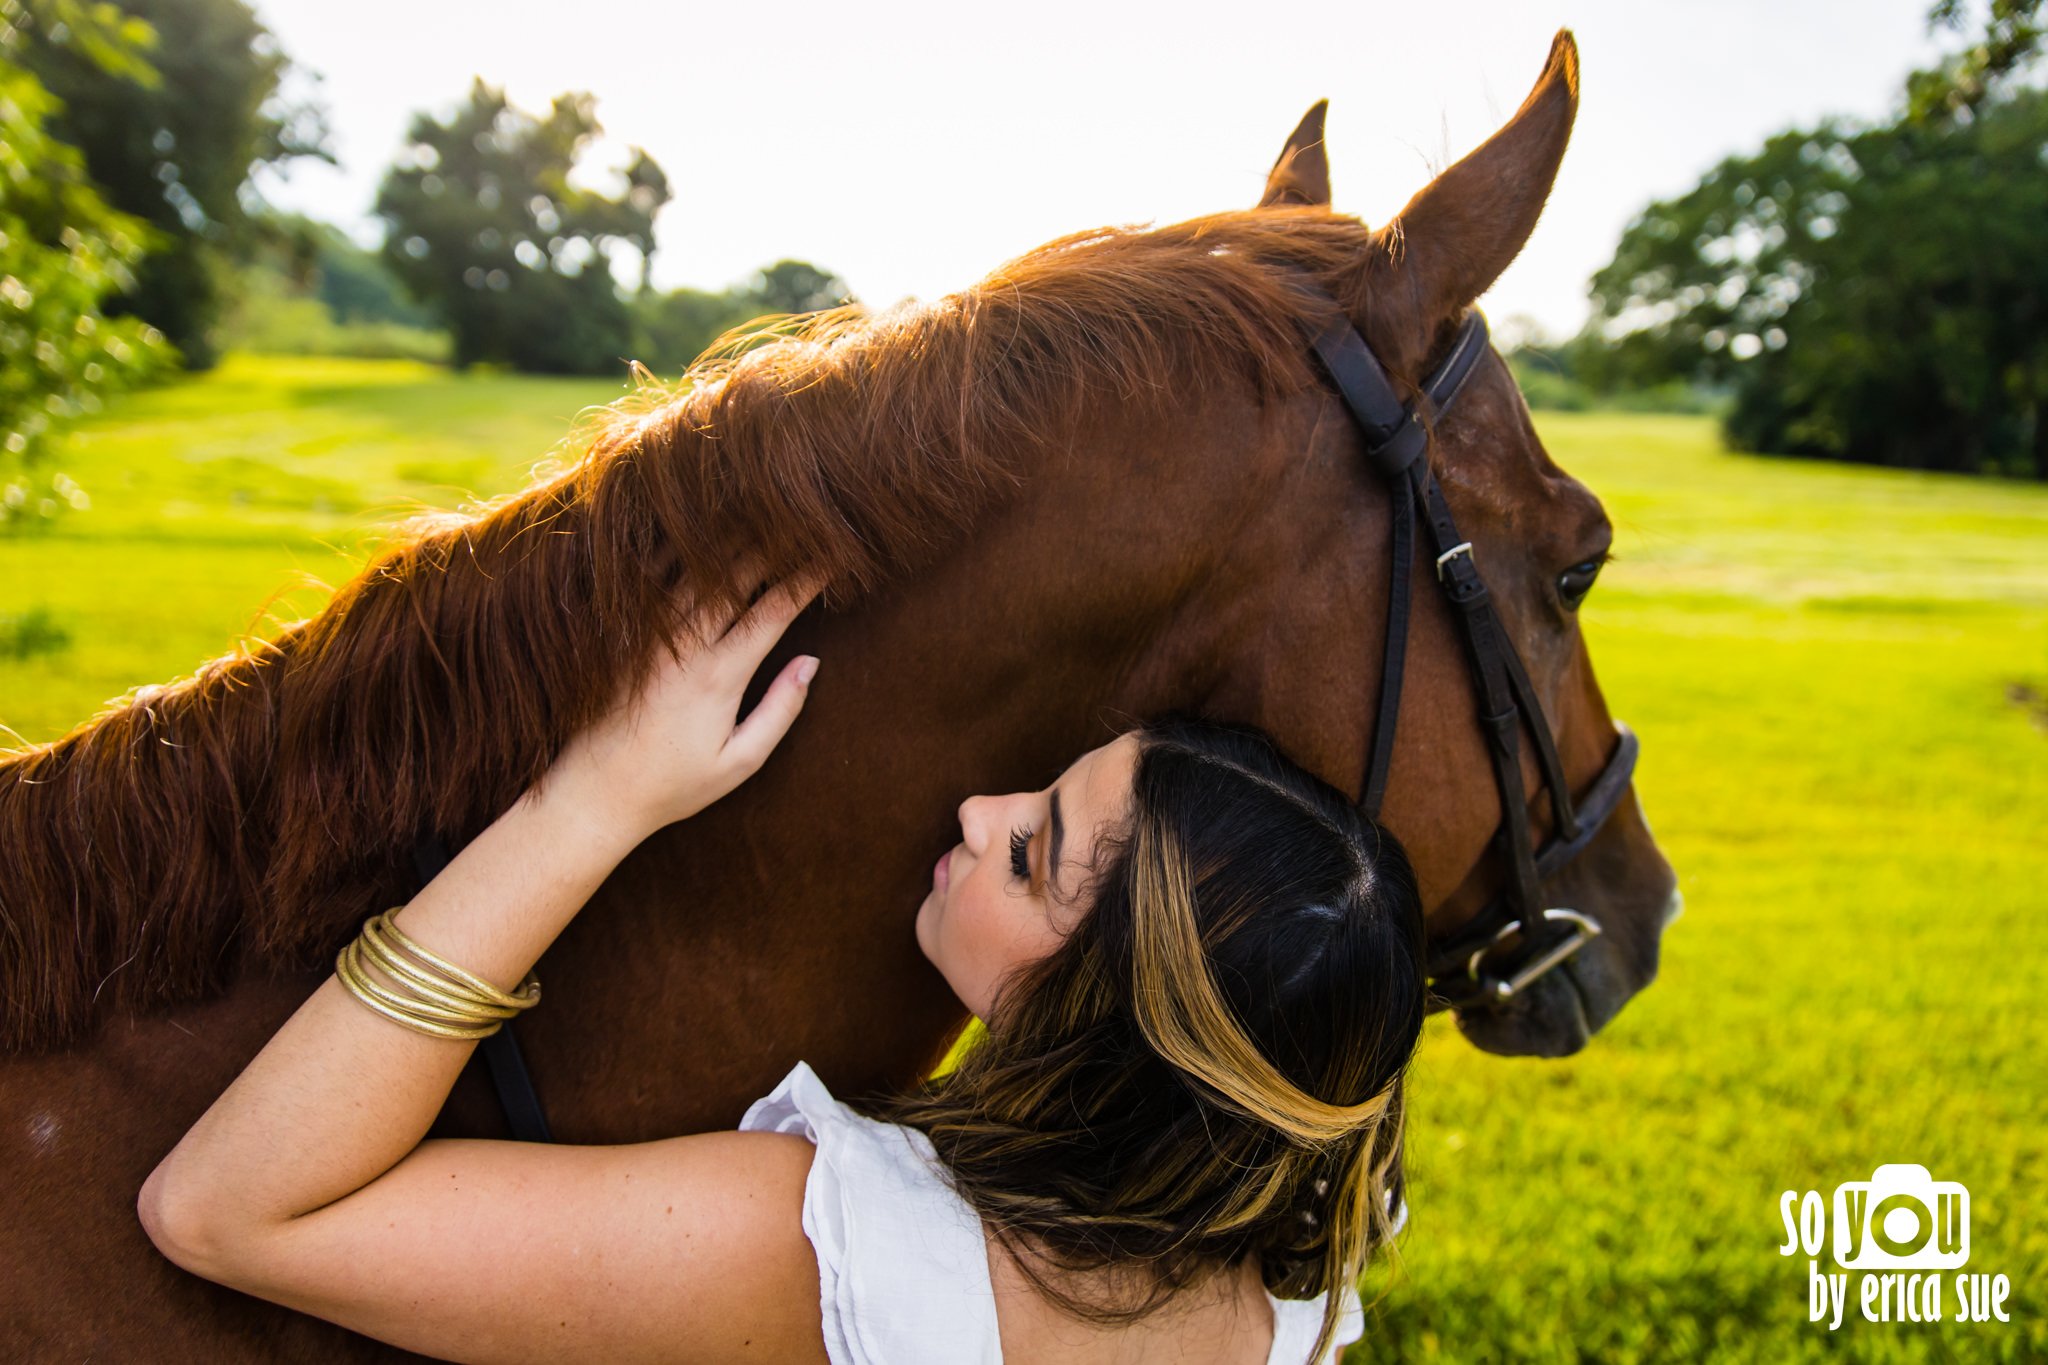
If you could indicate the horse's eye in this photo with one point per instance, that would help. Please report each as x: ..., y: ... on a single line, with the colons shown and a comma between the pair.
x: 1574, y: 583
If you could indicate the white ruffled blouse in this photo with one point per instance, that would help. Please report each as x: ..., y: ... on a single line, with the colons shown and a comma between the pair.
x: 902, y: 1261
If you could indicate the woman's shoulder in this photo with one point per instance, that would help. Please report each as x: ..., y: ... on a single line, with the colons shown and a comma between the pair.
x: 803, y: 1105
x: 800, y: 1103
x: 902, y: 1262
x: 867, y: 1174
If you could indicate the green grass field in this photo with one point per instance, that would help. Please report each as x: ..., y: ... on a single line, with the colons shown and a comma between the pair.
x: 1822, y: 663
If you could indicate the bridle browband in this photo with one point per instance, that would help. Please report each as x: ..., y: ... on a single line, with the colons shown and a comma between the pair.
x: 1397, y: 439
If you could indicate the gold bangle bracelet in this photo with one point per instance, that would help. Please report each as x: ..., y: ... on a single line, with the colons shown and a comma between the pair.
x: 345, y: 968
x: 419, y: 1008
x: 529, y: 988
x: 359, y: 983
x: 423, y: 983
x: 430, y: 995
x: 416, y: 973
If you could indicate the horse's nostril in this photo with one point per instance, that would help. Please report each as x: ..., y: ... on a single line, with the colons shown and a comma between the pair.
x: 1674, y: 907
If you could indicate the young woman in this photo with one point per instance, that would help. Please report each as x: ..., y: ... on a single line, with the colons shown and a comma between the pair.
x: 1180, y: 1140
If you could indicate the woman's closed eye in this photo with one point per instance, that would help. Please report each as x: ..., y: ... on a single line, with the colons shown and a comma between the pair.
x: 1020, y: 854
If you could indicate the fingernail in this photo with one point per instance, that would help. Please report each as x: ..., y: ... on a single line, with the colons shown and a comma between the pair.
x: 807, y: 670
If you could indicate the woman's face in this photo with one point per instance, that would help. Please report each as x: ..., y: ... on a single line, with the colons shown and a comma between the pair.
x: 983, y: 919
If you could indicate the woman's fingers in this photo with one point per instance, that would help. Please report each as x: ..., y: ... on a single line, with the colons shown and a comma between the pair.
x: 755, y: 633
x: 756, y: 737
x: 707, y: 621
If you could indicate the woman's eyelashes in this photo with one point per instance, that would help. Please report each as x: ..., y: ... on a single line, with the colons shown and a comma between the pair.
x: 1020, y: 854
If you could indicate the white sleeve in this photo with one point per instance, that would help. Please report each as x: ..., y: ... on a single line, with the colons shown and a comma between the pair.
x: 902, y: 1263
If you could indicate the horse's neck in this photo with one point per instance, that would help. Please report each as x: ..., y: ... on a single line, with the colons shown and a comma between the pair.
x: 135, y: 847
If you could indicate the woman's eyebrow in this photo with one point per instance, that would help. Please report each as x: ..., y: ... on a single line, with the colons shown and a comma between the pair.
x: 1059, y: 834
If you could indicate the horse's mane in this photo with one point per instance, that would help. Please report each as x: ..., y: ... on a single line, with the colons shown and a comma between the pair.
x: 257, y: 809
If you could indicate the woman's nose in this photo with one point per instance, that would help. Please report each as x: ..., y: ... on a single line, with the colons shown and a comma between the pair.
x: 972, y: 822
x: 979, y: 815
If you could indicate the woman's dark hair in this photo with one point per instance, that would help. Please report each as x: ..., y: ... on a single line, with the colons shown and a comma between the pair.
x: 1209, y: 1066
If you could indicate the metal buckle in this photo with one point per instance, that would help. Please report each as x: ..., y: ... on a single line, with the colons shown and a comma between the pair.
x: 1461, y: 548
x: 1584, y: 929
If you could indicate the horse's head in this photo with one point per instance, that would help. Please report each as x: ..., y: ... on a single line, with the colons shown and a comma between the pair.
x: 1273, y: 607
x: 1540, y: 537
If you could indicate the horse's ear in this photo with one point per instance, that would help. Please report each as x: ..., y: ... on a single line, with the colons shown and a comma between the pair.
x: 1302, y: 174
x: 1457, y: 235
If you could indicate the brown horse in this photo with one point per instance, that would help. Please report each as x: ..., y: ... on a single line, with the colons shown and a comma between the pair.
x: 1106, y: 481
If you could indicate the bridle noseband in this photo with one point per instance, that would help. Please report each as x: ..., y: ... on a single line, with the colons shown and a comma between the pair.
x: 1397, y: 447
x: 1397, y: 438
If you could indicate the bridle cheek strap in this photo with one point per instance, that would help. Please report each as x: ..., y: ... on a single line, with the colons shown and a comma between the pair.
x: 1397, y: 440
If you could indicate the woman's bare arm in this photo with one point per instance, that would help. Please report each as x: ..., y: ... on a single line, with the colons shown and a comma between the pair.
x: 297, y: 1184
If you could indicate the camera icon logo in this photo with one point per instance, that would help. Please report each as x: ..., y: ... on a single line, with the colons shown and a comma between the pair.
x: 1902, y: 1218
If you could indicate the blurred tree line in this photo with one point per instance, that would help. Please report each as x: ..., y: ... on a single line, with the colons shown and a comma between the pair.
x: 133, y: 241
x: 1876, y: 294
x: 1868, y: 293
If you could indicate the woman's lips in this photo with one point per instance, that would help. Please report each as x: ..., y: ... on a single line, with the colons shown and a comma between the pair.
x: 942, y: 871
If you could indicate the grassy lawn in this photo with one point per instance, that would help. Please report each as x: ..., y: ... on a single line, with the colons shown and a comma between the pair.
x: 244, y: 495
x: 1820, y: 661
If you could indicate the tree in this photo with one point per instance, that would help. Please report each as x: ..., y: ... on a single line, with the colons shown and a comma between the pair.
x: 1878, y: 296
x: 306, y: 289
x: 483, y: 224
x: 673, y: 329
x: 352, y: 283
x: 177, y: 151
x: 2009, y: 45
x: 63, y: 250
x: 1873, y: 294
x: 797, y: 287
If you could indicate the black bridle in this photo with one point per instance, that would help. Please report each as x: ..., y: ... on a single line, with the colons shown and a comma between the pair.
x: 1397, y: 438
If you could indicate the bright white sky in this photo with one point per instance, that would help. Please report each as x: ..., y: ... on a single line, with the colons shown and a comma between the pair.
x: 913, y: 147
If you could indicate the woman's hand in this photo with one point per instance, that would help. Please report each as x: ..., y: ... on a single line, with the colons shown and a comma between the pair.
x: 669, y: 746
